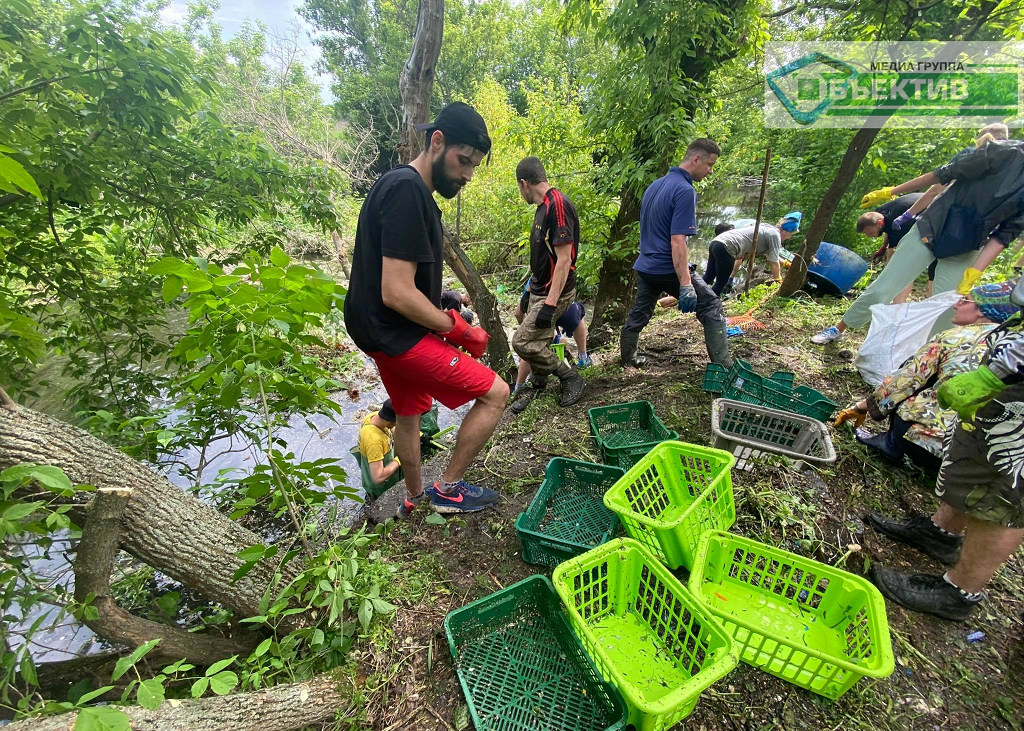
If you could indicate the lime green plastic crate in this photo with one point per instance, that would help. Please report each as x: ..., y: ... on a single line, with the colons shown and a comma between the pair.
x: 644, y: 631
x: 626, y: 432
x: 670, y: 497
x: 808, y: 623
x: 522, y: 669
x: 568, y: 516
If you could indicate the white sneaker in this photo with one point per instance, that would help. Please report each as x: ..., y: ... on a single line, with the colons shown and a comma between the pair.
x: 827, y: 335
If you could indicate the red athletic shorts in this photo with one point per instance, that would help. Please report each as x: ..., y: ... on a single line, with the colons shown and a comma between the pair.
x: 432, y: 369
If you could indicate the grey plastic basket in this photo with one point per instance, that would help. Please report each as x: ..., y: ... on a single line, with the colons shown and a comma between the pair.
x: 747, y: 431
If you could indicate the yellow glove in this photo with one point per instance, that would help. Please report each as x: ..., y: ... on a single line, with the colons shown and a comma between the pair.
x: 850, y: 414
x: 971, y: 277
x: 877, y: 197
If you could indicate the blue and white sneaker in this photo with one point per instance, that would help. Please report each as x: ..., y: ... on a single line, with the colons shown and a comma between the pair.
x: 585, y: 361
x: 464, y: 498
x: 827, y: 335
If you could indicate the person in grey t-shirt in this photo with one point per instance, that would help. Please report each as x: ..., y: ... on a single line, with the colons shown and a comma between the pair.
x: 728, y: 250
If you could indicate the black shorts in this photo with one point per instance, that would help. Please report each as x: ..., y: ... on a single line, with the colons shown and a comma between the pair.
x: 571, y: 318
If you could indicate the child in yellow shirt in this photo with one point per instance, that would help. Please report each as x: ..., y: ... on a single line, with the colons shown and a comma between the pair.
x: 376, y: 443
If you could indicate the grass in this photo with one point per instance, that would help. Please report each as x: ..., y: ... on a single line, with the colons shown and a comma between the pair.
x: 941, y: 680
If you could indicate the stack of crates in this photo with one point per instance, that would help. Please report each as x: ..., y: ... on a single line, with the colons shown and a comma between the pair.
x: 643, y: 646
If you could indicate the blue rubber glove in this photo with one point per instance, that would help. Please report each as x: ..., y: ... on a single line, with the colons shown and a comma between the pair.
x: 687, y: 298
x: 904, y: 220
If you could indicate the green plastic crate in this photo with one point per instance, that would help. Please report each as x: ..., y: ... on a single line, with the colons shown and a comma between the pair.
x: 645, y: 632
x: 808, y: 623
x: 568, y: 516
x: 743, y: 383
x: 716, y: 377
x: 521, y: 667
x: 671, y: 496
x: 626, y: 432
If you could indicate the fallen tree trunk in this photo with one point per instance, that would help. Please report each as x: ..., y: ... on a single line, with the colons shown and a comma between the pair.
x: 163, y: 526
x: 94, y: 563
x: 281, y: 708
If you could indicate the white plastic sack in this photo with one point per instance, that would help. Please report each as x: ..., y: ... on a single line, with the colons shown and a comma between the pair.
x: 896, y: 333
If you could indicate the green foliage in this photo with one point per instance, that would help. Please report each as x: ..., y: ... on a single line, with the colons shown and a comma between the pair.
x: 33, y: 506
x: 366, y: 43
x: 336, y: 587
x: 120, y: 130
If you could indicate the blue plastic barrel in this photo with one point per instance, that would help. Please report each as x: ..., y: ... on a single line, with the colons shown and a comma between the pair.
x: 834, y: 270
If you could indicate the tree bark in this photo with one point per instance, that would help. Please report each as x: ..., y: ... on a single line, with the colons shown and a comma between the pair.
x: 499, y: 355
x: 416, y: 83
x: 617, y: 283
x: 163, y: 526
x: 339, y: 249
x: 94, y: 563
x: 855, y: 152
x: 281, y: 708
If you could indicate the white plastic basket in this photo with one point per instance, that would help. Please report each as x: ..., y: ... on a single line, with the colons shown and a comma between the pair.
x: 748, y: 431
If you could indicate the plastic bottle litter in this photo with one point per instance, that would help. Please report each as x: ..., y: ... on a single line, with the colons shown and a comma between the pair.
x: 976, y: 636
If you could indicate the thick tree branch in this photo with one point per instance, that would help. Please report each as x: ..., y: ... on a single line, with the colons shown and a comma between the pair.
x: 281, y: 708
x: 164, y: 527
x: 46, y: 82
x: 6, y: 401
x: 94, y: 563
x: 499, y: 355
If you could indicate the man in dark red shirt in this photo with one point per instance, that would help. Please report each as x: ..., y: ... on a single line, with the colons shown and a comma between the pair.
x: 392, y: 310
x: 554, y: 245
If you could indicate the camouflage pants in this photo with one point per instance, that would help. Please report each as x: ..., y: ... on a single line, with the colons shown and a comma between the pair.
x: 982, y: 472
x: 531, y: 343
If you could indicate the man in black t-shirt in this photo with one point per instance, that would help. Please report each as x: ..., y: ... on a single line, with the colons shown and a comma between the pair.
x: 554, y: 245
x: 392, y: 310
x: 879, y: 222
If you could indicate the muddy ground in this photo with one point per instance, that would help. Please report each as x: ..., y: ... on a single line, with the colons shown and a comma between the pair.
x: 941, y: 680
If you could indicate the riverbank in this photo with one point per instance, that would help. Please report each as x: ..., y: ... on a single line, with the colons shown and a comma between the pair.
x: 941, y: 679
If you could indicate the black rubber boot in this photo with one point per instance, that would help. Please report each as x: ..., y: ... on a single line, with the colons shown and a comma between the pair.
x: 527, y: 393
x: 629, y: 342
x: 921, y: 533
x: 717, y: 341
x: 572, y: 387
x: 880, y: 443
x: 925, y: 593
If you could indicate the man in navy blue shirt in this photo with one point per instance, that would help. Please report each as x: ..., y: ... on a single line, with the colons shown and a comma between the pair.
x: 668, y: 217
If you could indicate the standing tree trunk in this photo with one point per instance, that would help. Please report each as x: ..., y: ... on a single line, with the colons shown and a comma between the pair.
x: 416, y: 83
x: 616, y: 282
x: 339, y: 250
x: 858, y: 148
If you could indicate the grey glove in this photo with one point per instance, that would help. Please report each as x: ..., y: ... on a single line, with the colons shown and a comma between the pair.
x: 687, y: 298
